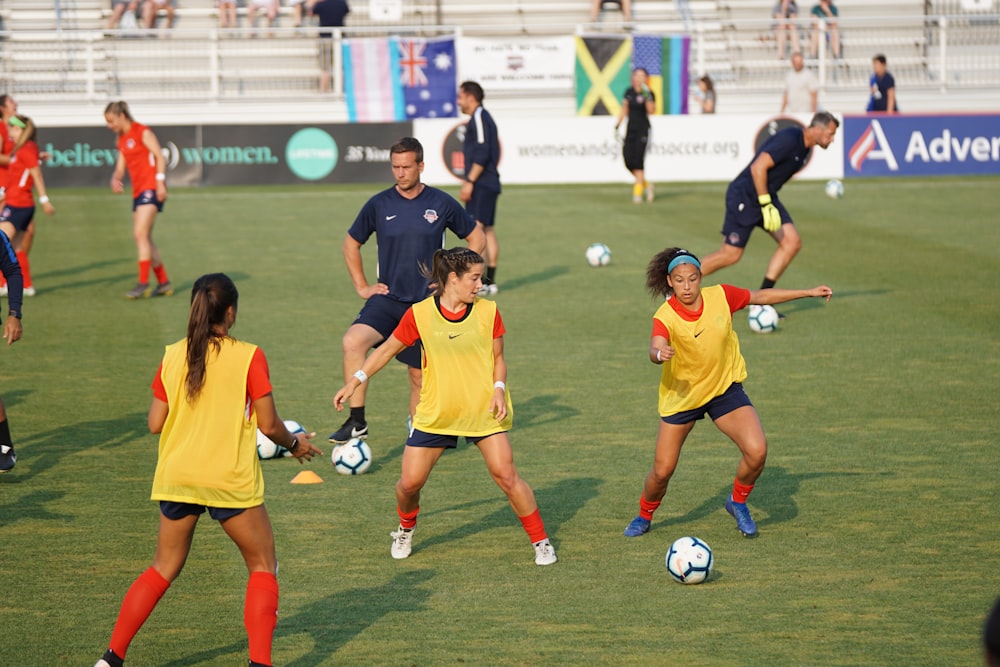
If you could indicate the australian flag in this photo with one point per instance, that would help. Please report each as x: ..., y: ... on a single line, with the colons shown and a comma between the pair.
x: 427, y: 72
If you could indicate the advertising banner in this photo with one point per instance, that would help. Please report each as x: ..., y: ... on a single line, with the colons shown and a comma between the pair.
x: 899, y: 145
x: 233, y: 154
x: 518, y: 63
x: 584, y: 150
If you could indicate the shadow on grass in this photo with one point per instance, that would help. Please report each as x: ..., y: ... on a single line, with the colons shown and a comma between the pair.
x: 542, y: 409
x: 539, y: 276
x: 802, y: 305
x: 335, y: 620
x: 557, y: 504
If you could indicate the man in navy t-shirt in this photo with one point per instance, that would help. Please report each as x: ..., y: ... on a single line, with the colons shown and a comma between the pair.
x: 410, y: 221
x: 752, y: 197
x: 331, y: 14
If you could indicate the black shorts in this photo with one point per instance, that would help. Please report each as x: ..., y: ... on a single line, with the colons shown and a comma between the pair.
x: 743, y: 214
x: 424, y: 439
x: 174, y: 510
x: 634, y: 151
x: 383, y: 315
x: 20, y: 217
x: 483, y: 206
x: 147, y: 197
x: 732, y: 398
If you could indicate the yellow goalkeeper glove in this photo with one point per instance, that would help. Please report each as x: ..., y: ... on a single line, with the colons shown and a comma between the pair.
x: 772, y: 217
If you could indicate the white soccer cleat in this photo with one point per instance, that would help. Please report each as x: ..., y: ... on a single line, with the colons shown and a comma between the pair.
x: 402, y: 543
x: 544, y: 553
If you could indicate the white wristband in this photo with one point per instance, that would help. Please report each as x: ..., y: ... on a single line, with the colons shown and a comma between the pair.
x: 161, y: 177
x: 658, y: 356
x: 43, y: 200
x: 361, y: 375
x: 499, y: 384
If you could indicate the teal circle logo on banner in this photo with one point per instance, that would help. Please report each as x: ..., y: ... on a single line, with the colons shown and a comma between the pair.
x: 311, y: 154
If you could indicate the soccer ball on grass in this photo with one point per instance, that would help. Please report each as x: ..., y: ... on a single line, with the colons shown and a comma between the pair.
x: 689, y: 560
x: 834, y: 189
x: 598, y: 254
x: 268, y: 449
x: 353, y: 457
x: 763, y: 319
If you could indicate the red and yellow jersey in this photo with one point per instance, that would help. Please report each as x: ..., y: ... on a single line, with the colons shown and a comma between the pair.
x: 139, y: 160
x: 6, y: 146
x: 457, y: 367
x: 707, y: 356
x: 208, y: 449
x: 19, y: 178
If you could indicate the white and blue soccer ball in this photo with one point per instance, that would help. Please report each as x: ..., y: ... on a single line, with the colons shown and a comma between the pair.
x: 267, y: 449
x: 598, y: 254
x: 354, y: 457
x: 689, y: 560
x: 834, y: 189
x: 763, y: 319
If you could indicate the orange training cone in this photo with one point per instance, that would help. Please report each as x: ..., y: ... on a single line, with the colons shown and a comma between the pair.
x: 307, y: 477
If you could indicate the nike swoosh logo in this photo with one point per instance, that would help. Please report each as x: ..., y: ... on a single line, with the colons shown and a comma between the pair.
x: 699, y: 333
x: 390, y: 217
x: 453, y: 336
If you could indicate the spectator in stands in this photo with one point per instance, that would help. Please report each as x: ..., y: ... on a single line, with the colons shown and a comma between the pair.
x: 786, y: 11
x: 801, y: 88
x: 227, y: 13
x: 331, y: 14
x: 151, y: 9
x: 706, y: 94
x: 270, y: 7
x: 300, y: 9
x: 118, y: 9
x: 624, y: 5
x: 825, y: 11
x: 883, y: 87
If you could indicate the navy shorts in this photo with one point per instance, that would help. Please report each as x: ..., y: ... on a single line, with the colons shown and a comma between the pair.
x: 634, y: 151
x: 743, y: 214
x: 383, y: 315
x: 424, y: 439
x: 147, y: 197
x: 17, y: 216
x: 732, y: 398
x: 483, y: 206
x: 175, y: 511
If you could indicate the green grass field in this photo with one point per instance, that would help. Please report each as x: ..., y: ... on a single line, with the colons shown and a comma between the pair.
x: 878, y: 515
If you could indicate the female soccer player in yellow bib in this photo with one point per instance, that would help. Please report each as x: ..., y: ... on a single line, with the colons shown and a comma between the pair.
x: 703, y: 372
x: 464, y: 393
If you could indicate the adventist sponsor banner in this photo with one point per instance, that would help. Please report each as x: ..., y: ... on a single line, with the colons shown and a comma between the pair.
x: 900, y: 145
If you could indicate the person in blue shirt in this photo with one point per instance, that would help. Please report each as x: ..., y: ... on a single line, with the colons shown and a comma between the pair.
x: 752, y: 197
x: 883, y: 87
x: 331, y: 14
x: 11, y: 270
x: 481, y: 189
x: 409, y: 221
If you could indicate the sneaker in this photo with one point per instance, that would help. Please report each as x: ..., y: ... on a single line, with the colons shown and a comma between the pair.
x: 639, y: 526
x: 488, y: 289
x: 30, y: 291
x: 350, y: 429
x: 164, y: 289
x: 781, y: 315
x: 544, y: 553
x: 7, y: 458
x: 649, y: 193
x: 636, y: 199
x: 402, y: 543
x: 140, y: 291
x: 110, y: 659
x: 744, y: 522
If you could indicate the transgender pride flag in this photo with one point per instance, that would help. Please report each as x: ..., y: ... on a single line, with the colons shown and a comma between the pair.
x: 371, y: 80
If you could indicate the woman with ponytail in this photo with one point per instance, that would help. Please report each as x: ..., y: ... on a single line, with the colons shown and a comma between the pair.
x: 211, y: 394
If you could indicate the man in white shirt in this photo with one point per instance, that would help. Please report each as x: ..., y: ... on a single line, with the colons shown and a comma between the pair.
x: 801, y: 88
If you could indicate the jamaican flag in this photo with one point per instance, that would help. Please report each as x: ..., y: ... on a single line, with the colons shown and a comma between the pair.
x: 603, y: 73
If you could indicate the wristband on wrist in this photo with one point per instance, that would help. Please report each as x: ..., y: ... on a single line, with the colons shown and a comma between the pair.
x: 161, y: 177
x: 500, y: 384
x: 43, y: 200
x: 764, y: 200
x: 658, y: 358
x: 361, y: 375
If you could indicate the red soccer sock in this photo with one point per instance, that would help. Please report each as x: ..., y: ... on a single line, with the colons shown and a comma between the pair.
x: 144, y: 265
x: 260, y: 615
x: 161, y: 274
x: 22, y: 259
x: 407, y: 520
x: 138, y: 604
x: 534, y: 526
x: 740, y: 492
x: 647, y: 507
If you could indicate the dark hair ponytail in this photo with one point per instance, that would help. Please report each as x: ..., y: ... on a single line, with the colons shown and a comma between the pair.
x: 211, y: 297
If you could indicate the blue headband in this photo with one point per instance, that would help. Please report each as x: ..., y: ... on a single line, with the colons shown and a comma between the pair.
x: 682, y: 259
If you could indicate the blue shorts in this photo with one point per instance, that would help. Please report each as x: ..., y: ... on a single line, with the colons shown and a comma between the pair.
x: 483, y: 206
x: 147, y: 197
x: 19, y: 217
x: 732, y: 398
x: 383, y: 315
x: 424, y: 439
x: 743, y: 214
x: 175, y: 511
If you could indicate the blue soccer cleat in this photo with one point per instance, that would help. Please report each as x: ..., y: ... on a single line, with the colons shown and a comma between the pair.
x: 639, y: 526
x: 744, y: 522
